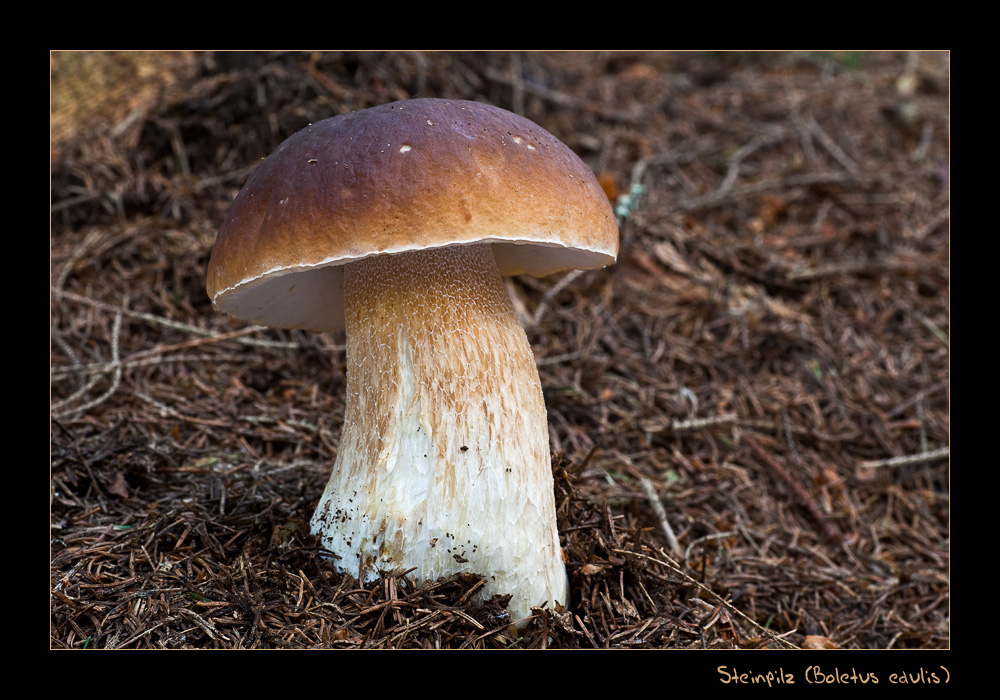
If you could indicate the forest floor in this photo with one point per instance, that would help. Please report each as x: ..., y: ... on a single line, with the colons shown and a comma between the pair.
x: 749, y: 412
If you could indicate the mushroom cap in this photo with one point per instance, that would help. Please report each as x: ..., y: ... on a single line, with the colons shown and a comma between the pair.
x: 403, y: 176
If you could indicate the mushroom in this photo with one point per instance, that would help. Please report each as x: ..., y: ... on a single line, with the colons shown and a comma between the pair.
x: 397, y: 223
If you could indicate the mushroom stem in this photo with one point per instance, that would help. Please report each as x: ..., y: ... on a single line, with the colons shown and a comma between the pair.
x: 444, y: 459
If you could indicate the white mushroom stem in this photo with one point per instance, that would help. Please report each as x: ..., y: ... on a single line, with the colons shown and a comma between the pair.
x: 444, y: 458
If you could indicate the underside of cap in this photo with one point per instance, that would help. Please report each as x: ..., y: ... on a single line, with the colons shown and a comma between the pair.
x: 404, y: 176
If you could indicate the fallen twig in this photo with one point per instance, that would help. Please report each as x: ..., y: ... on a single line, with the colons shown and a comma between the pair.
x: 907, y: 460
x: 803, y: 496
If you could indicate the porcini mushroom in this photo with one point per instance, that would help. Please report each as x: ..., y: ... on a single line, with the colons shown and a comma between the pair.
x: 398, y: 222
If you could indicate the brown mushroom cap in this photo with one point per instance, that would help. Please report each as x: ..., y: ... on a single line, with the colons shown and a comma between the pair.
x: 408, y: 175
